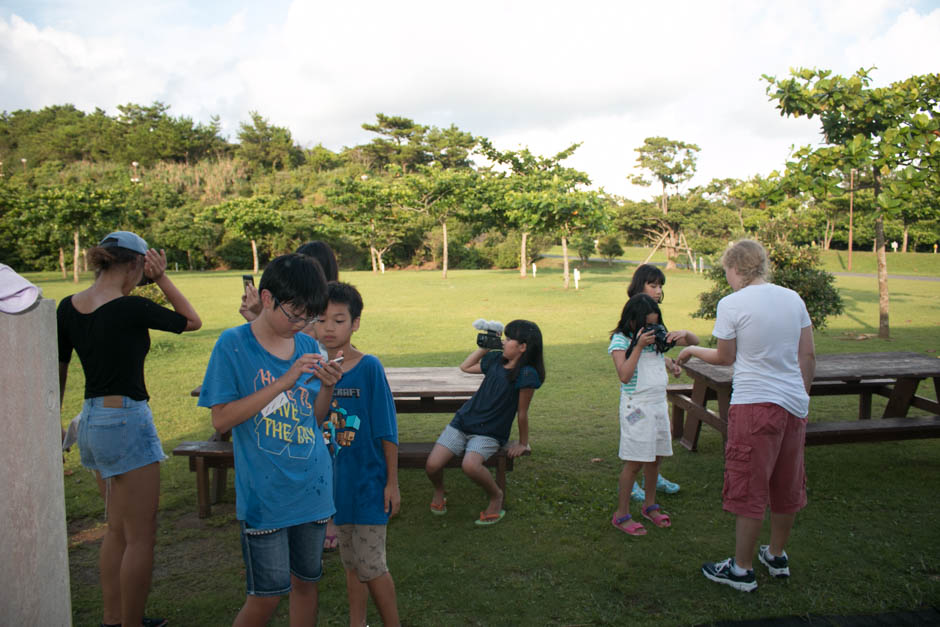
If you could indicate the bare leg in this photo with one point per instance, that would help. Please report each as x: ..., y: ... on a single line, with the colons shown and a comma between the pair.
x: 358, y: 595
x: 624, y: 486
x: 134, y: 498
x: 304, y: 596
x: 780, y: 527
x: 650, y: 473
x: 434, y: 468
x: 382, y: 589
x: 256, y: 612
x: 473, y: 467
x: 109, y: 561
x: 746, y: 532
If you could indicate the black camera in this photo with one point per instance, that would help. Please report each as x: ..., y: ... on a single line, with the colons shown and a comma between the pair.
x: 490, y: 339
x: 662, y: 345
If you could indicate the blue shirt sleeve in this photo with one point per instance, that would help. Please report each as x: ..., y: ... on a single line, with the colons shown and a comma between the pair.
x: 220, y: 384
x: 528, y: 378
x: 384, y: 418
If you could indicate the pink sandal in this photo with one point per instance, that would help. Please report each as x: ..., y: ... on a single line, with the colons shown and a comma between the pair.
x: 660, y: 520
x: 633, y: 529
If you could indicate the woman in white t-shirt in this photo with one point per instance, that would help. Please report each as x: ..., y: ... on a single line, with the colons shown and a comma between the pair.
x: 765, y: 331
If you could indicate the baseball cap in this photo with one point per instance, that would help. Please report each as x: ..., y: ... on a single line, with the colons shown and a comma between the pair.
x: 17, y: 294
x: 125, y: 239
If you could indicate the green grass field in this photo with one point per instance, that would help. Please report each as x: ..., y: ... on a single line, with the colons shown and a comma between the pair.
x: 868, y: 542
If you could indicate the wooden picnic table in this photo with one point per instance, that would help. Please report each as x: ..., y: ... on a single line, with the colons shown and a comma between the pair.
x: 426, y: 390
x: 415, y: 390
x: 893, y: 375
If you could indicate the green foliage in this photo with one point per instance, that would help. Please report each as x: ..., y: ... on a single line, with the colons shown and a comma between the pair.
x: 152, y: 292
x: 793, y: 268
x: 584, y: 246
x: 609, y: 246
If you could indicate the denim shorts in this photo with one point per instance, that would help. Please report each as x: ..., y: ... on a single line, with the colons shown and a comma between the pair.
x: 115, y: 440
x: 273, y: 555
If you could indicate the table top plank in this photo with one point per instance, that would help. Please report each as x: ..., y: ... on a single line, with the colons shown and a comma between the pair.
x: 840, y: 367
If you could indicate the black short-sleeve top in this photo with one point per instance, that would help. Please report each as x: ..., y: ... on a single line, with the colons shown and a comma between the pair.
x: 112, y: 342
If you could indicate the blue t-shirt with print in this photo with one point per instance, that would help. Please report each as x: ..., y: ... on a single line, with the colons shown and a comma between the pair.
x: 491, y: 410
x: 283, y: 475
x: 360, y: 469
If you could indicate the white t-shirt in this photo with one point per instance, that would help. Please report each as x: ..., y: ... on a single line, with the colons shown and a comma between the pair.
x: 765, y: 320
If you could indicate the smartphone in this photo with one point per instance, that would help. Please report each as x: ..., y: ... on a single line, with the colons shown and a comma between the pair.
x: 247, y: 280
x: 338, y: 360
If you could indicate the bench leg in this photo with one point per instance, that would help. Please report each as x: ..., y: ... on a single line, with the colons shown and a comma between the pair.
x: 678, y: 421
x: 218, y: 484
x: 202, y: 487
x: 864, y: 405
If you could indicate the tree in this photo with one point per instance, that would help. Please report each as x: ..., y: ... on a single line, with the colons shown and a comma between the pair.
x: 670, y: 162
x: 610, y: 248
x: 251, y: 218
x: 400, y: 143
x: 267, y: 147
x: 887, y: 131
x: 439, y: 194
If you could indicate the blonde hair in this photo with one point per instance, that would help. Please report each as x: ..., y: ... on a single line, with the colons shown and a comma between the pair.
x: 749, y: 260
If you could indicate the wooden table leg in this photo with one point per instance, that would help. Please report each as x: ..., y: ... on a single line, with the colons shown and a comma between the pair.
x: 724, y: 404
x: 693, y: 426
x: 901, y: 397
x: 218, y: 484
x: 678, y: 421
x: 202, y: 487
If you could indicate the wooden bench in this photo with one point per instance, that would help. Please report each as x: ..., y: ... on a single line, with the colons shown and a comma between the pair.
x: 218, y: 454
x: 415, y: 455
x: 877, y: 430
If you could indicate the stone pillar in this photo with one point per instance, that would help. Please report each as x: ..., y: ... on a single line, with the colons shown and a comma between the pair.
x: 34, y: 542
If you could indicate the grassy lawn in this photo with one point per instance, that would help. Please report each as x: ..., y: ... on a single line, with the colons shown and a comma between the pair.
x: 868, y: 541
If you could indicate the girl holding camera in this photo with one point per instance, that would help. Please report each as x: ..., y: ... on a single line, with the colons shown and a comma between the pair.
x: 484, y: 423
x: 645, y: 436
x: 648, y: 279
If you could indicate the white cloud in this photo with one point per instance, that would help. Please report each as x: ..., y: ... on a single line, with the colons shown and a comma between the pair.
x: 540, y: 74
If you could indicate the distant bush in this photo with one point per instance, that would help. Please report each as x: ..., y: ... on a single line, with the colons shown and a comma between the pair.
x: 609, y: 247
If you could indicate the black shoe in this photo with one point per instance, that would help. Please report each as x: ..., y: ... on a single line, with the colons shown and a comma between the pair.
x: 778, y: 566
x: 721, y: 572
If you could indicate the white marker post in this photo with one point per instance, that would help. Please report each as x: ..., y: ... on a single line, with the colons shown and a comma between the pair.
x: 577, y: 277
x: 533, y: 270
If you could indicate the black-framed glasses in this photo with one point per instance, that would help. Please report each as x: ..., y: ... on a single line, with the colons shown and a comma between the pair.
x: 294, y: 319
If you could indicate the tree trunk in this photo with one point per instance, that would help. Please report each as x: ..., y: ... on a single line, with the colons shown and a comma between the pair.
x: 907, y: 229
x: 75, y: 257
x: 523, y: 256
x: 828, y: 233
x: 444, y: 260
x: 884, y: 330
x: 374, y: 256
x: 671, y: 238
x: 564, y: 254
x: 254, y: 255
x: 189, y: 258
x: 62, y: 263
x: 84, y: 260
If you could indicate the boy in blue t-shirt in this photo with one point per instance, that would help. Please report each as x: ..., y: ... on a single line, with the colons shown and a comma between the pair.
x: 365, y: 485
x: 259, y: 386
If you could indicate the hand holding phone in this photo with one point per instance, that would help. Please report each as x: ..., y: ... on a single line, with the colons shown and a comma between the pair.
x: 247, y: 280
x: 336, y: 361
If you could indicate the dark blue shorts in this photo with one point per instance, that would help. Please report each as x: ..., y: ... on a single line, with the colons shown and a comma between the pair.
x: 273, y: 555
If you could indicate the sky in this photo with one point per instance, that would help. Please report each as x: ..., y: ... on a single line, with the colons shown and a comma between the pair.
x: 536, y: 74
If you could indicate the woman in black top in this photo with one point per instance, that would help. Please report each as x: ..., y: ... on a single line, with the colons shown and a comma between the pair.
x: 117, y: 438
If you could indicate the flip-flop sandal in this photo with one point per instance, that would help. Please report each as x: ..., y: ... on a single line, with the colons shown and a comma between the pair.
x: 330, y: 544
x: 633, y: 529
x: 146, y: 622
x: 439, y: 509
x: 660, y: 520
x: 490, y: 519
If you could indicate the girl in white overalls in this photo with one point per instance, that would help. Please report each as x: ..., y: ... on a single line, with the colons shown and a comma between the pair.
x: 645, y: 436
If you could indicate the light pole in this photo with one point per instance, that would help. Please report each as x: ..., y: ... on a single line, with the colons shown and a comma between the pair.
x: 1, y: 169
x: 135, y: 178
x: 851, y: 211
x: 23, y: 161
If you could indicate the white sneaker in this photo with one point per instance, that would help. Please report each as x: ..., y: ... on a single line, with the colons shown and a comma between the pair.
x: 778, y: 566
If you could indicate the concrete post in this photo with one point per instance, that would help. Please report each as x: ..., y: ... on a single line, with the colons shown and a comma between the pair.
x: 34, y: 543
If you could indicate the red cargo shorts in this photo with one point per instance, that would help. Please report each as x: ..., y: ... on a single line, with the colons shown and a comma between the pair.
x: 764, y: 461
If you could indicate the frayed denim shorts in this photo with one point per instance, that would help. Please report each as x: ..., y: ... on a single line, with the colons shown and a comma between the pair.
x: 115, y: 440
x: 273, y: 555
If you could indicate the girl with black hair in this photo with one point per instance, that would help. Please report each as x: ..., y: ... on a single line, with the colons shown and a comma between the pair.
x: 483, y: 425
x: 645, y: 435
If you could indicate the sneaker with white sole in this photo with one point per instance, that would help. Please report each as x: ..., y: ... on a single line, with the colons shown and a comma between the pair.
x: 778, y: 566
x: 722, y: 572
x: 665, y: 485
x: 637, y: 493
